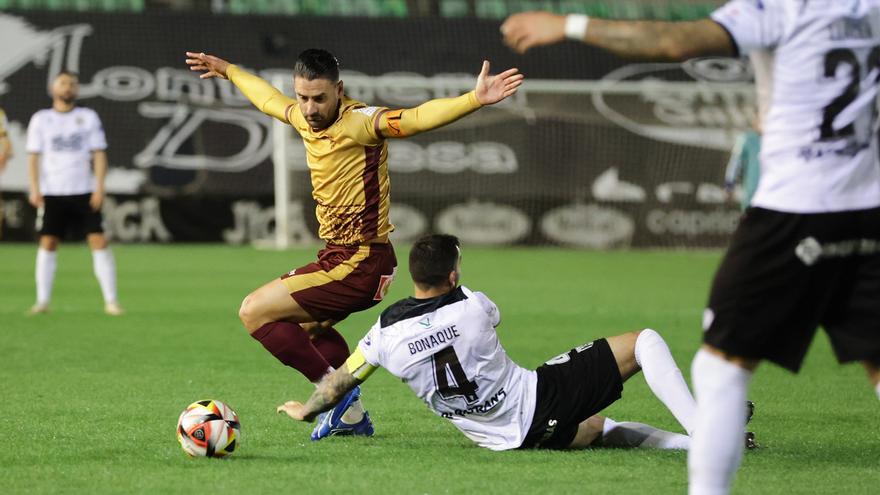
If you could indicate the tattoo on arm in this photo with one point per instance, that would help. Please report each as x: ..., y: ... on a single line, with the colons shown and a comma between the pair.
x: 658, y: 40
x: 330, y: 391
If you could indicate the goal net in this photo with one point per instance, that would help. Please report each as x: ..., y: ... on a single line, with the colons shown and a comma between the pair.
x: 634, y: 159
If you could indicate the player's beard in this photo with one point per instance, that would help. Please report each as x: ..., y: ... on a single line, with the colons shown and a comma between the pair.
x: 317, y: 122
x: 68, y: 98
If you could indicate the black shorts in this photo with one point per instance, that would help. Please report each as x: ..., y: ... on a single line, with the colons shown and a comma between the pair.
x: 71, y: 215
x: 785, y: 274
x: 571, y: 388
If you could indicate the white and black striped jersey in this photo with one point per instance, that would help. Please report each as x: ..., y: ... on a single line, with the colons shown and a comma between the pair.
x: 819, y: 150
x: 447, y: 351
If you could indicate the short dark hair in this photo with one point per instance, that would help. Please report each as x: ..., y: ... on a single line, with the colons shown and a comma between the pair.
x: 316, y: 63
x: 432, y: 258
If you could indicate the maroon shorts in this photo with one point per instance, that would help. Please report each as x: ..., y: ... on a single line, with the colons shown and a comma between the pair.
x: 344, y: 280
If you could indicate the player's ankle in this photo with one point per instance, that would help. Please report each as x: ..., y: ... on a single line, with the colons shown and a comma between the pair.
x: 354, y: 414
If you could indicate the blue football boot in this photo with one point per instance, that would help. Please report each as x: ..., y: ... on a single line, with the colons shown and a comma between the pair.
x: 330, y: 422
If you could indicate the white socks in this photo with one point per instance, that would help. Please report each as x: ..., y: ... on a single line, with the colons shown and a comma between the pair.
x: 640, y: 435
x: 105, y: 272
x: 717, y: 442
x: 664, y: 378
x: 47, y: 261
x: 877, y: 389
x: 354, y: 414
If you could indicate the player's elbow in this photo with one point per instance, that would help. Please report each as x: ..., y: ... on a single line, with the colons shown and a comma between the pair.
x: 673, y: 49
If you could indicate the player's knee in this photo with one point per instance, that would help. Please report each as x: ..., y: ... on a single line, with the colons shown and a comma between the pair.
x: 97, y: 241
x: 49, y: 243
x: 248, y: 315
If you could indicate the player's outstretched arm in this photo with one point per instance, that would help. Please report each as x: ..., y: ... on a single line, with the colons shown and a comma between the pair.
x: 209, y: 65
x: 651, y: 40
x: 442, y: 111
x: 329, y: 392
x: 492, y: 89
x: 262, y: 94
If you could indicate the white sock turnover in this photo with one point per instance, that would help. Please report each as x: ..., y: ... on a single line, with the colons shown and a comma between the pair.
x: 664, y: 378
x: 47, y: 261
x: 105, y: 272
x: 639, y: 435
x: 718, y: 440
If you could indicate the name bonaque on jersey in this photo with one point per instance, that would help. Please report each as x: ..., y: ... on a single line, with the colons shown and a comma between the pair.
x: 432, y: 341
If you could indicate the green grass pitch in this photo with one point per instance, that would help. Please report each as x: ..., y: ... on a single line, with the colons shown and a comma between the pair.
x: 89, y: 402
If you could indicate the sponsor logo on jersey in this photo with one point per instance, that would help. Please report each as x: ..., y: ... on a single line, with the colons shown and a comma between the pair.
x: 74, y: 142
x: 368, y: 111
x: 487, y: 406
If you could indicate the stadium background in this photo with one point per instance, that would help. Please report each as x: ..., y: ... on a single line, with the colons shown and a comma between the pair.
x: 89, y: 401
x: 594, y: 151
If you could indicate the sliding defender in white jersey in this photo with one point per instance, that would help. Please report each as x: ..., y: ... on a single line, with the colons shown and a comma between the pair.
x: 808, y: 252
x: 443, y: 344
x: 64, y: 143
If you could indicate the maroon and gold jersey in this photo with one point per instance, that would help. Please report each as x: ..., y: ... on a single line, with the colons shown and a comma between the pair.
x: 348, y: 164
x: 348, y: 161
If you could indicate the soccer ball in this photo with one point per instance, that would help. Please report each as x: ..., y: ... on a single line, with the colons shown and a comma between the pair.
x: 208, y: 428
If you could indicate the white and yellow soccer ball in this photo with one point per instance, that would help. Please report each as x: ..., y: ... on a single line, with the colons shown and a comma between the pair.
x: 208, y: 428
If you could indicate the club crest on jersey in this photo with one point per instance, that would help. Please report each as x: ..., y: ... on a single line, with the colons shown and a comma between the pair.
x: 368, y: 111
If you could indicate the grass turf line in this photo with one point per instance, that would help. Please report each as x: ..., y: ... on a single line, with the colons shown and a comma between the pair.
x: 89, y: 402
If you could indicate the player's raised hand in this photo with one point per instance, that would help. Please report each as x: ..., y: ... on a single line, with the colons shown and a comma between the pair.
x: 211, y: 66
x: 527, y: 30
x: 294, y: 409
x: 492, y: 89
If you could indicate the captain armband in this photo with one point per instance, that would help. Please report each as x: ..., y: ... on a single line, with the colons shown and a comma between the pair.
x: 358, y: 366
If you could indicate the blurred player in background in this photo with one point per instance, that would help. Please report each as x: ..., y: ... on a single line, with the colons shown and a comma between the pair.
x: 808, y: 252
x: 443, y: 344
x: 64, y: 144
x: 292, y: 317
x: 5, y: 155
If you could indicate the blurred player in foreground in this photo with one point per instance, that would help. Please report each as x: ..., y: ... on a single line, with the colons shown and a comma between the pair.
x: 346, y: 144
x: 442, y: 343
x: 808, y: 251
x: 63, y: 144
x: 5, y: 155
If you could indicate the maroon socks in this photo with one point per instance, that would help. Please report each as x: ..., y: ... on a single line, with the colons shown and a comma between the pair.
x: 291, y: 345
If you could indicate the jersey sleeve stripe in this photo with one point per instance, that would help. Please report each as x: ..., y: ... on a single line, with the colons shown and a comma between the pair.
x: 376, y: 123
